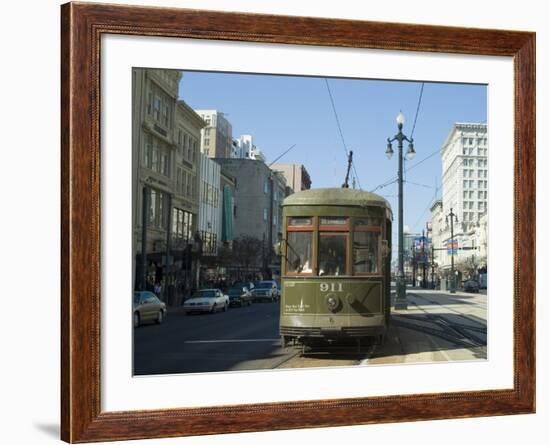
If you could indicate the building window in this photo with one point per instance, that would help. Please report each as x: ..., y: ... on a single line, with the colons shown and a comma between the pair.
x: 182, y: 225
x: 156, y: 155
x: 159, y: 106
x: 265, y: 214
x: 471, y: 184
x: 157, y: 209
x: 206, y: 141
x: 465, y: 184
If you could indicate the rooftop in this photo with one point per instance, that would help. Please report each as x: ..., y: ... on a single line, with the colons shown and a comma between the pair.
x: 335, y: 196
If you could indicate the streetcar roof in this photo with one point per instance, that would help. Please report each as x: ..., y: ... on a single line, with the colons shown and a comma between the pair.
x: 335, y: 196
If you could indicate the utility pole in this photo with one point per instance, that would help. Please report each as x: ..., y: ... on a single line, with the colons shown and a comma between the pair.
x: 433, y: 265
x: 144, y: 221
x: 401, y: 297
x: 167, y: 275
x: 413, y: 264
x: 454, y: 219
x: 423, y: 260
x: 270, y: 222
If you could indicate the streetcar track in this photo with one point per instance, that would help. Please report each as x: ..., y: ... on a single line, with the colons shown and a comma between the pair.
x: 461, y: 337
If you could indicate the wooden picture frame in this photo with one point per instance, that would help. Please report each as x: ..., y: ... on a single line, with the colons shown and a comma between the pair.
x: 82, y: 26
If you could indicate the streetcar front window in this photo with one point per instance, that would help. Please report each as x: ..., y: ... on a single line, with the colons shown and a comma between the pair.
x: 365, y: 252
x: 332, y: 254
x: 299, y: 252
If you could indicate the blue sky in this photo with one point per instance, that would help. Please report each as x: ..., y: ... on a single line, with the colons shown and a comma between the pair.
x: 280, y: 111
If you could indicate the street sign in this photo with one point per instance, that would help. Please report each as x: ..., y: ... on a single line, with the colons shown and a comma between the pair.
x: 421, y: 248
x: 452, y: 247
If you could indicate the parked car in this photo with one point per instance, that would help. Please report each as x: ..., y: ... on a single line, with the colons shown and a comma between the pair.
x: 471, y: 286
x: 265, y: 290
x: 147, y: 307
x: 239, y: 296
x: 206, y: 300
x: 248, y: 284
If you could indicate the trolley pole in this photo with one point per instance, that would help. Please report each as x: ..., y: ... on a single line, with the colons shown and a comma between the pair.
x: 401, y: 297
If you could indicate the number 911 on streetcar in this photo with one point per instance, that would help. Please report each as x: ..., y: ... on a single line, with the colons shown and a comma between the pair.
x: 335, y: 271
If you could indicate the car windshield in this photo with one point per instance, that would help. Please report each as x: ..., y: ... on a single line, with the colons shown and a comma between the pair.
x: 205, y: 294
x: 264, y: 284
x: 234, y: 291
x: 136, y: 298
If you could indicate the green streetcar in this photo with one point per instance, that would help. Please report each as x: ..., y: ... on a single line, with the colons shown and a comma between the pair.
x: 335, y: 272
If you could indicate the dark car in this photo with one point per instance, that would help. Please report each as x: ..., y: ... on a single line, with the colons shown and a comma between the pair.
x: 248, y: 284
x: 471, y: 286
x: 239, y: 296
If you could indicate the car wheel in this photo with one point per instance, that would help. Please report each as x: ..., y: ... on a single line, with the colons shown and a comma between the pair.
x: 160, y: 317
x: 136, y: 320
x: 213, y: 310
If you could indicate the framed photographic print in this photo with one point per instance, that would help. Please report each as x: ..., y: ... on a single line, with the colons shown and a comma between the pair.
x: 275, y: 222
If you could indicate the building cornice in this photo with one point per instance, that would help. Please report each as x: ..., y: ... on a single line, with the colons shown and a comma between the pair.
x: 461, y: 126
x: 191, y: 114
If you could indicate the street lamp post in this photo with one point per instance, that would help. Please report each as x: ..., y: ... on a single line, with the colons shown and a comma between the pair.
x: 453, y: 219
x: 401, y: 298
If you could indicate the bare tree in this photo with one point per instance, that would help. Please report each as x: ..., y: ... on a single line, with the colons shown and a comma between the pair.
x: 247, y: 251
x: 468, y: 266
x: 225, y: 256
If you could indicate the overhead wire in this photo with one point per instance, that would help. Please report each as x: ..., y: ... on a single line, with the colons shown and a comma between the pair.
x: 340, y: 131
x: 389, y: 181
x: 414, y: 123
x: 430, y: 202
x: 407, y: 169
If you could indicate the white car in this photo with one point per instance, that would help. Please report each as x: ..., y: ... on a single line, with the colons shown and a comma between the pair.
x: 206, y: 300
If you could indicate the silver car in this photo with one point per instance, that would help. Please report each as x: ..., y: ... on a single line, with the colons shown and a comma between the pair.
x: 265, y: 291
x: 147, y: 307
x: 206, y: 300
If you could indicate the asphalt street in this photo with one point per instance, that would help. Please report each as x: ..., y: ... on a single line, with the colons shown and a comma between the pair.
x: 437, y: 326
x: 241, y: 338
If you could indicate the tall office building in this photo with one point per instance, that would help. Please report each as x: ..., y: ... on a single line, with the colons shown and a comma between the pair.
x: 244, y: 148
x: 217, y: 136
x: 464, y: 163
x: 297, y: 177
x: 464, y: 189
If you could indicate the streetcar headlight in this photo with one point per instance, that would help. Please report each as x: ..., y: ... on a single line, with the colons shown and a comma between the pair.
x: 332, y: 303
